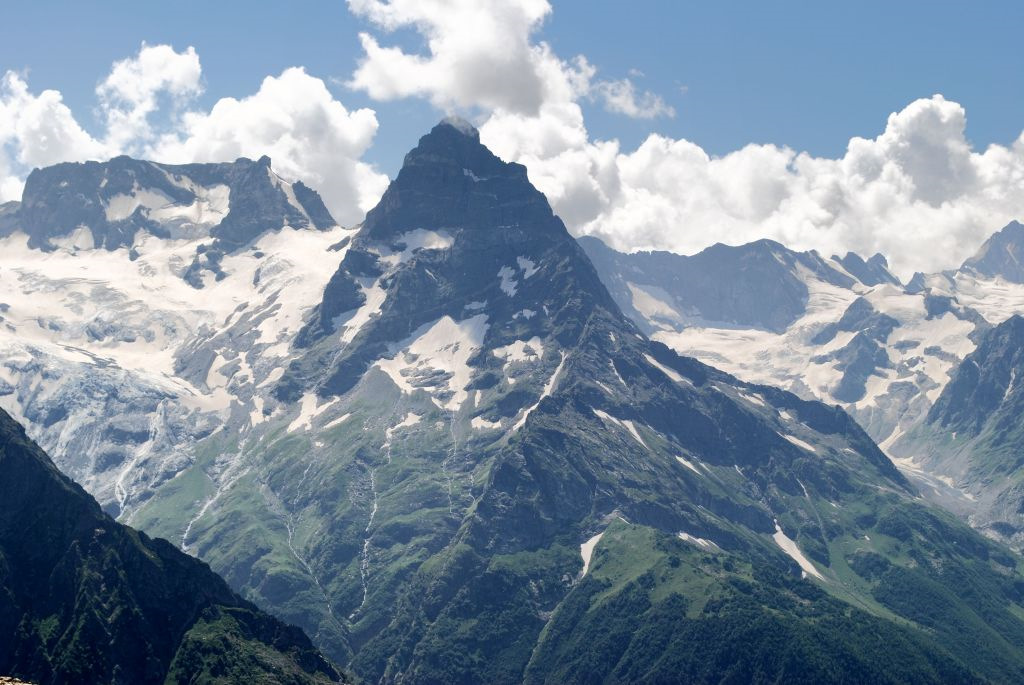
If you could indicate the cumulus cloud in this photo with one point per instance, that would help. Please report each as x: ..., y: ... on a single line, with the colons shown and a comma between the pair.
x: 293, y: 118
x: 36, y: 130
x: 481, y: 55
x: 129, y: 94
x: 308, y: 134
x: 621, y: 96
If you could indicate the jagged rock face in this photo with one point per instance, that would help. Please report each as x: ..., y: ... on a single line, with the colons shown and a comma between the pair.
x: 874, y: 271
x: 859, y: 339
x: 759, y: 285
x: 972, y: 435
x: 113, y: 201
x: 475, y: 460
x: 984, y: 382
x: 1002, y: 255
x: 84, y: 599
x: 902, y: 361
x: 841, y: 330
x: 458, y: 233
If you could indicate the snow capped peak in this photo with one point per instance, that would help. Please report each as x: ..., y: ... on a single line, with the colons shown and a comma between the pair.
x: 874, y: 271
x: 116, y: 201
x: 1002, y: 255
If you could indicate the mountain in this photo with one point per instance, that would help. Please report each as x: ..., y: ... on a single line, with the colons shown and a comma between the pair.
x: 438, y: 445
x: 766, y: 287
x: 109, y: 204
x: 882, y: 351
x: 85, y: 599
x: 1001, y: 255
x: 109, y: 354
x: 902, y: 361
x: 475, y: 468
x: 874, y: 271
x: 972, y: 435
x: 841, y: 330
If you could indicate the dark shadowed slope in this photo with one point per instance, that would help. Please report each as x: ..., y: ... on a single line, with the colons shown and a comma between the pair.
x: 86, y: 600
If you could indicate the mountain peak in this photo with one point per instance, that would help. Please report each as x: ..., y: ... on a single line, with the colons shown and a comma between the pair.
x: 450, y: 180
x: 874, y: 271
x: 460, y: 125
x: 1001, y: 255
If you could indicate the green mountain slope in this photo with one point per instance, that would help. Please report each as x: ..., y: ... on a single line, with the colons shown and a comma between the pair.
x: 86, y: 600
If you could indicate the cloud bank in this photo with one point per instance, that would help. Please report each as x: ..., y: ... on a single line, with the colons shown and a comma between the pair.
x: 918, y: 193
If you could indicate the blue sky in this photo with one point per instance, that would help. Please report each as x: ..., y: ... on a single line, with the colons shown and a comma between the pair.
x: 688, y: 123
x: 803, y: 74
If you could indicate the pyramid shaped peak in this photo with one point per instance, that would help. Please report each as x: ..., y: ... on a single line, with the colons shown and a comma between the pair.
x: 451, y: 180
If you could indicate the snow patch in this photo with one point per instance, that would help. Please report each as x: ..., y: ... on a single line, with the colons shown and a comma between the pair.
x: 750, y: 397
x: 308, y: 410
x: 480, y: 423
x: 622, y: 423
x: 508, y: 283
x: 434, y: 359
x: 527, y: 265
x: 674, y: 375
x: 375, y: 296
x: 587, y: 551
x: 799, y: 443
x: 790, y: 547
x: 549, y: 387
x: 700, y: 542
x: 520, y: 351
x: 689, y: 465
x: 653, y: 303
x: 335, y: 422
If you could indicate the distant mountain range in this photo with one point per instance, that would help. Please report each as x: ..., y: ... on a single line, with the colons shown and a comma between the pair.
x: 453, y: 443
x: 842, y: 330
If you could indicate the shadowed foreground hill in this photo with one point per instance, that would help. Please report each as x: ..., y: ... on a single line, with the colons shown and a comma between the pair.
x: 86, y: 600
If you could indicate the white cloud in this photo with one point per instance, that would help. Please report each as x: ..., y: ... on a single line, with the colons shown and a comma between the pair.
x: 917, y: 193
x: 129, y: 94
x: 621, y: 96
x: 480, y: 55
x: 36, y: 130
x: 309, y: 135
